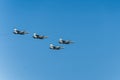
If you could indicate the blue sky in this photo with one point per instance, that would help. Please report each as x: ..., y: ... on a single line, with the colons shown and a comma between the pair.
x: 92, y: 24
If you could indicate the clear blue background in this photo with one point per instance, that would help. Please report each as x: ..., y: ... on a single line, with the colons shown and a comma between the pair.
x: 94, y: 26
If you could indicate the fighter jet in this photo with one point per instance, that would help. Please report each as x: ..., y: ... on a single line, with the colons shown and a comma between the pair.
x: 36, y: 36
x: 19, y: 32
x: 61, y: 41
x: 55, y: 47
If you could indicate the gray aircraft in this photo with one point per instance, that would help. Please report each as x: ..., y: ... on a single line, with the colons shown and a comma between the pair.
x: 19, y: 32
x: 61, y: 41
x: 55, y: 47
x: 36, y: 36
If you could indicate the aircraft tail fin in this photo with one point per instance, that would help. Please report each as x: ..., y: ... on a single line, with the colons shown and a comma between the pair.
x: 45, y: 36
x: 62, y: 47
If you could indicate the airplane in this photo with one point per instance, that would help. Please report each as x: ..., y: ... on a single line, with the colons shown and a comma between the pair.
x: 55, y: 47
x: 61, y: 41
x: 36, y: 36
x: 19, y: 32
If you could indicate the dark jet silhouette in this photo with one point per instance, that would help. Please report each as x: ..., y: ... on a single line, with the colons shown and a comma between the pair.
x: 61, y: 41
x: 19, y: 32
x: 55, y: 47
x: 36, y: 36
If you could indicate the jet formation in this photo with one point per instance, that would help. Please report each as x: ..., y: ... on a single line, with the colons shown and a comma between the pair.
x: 37, y: 36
